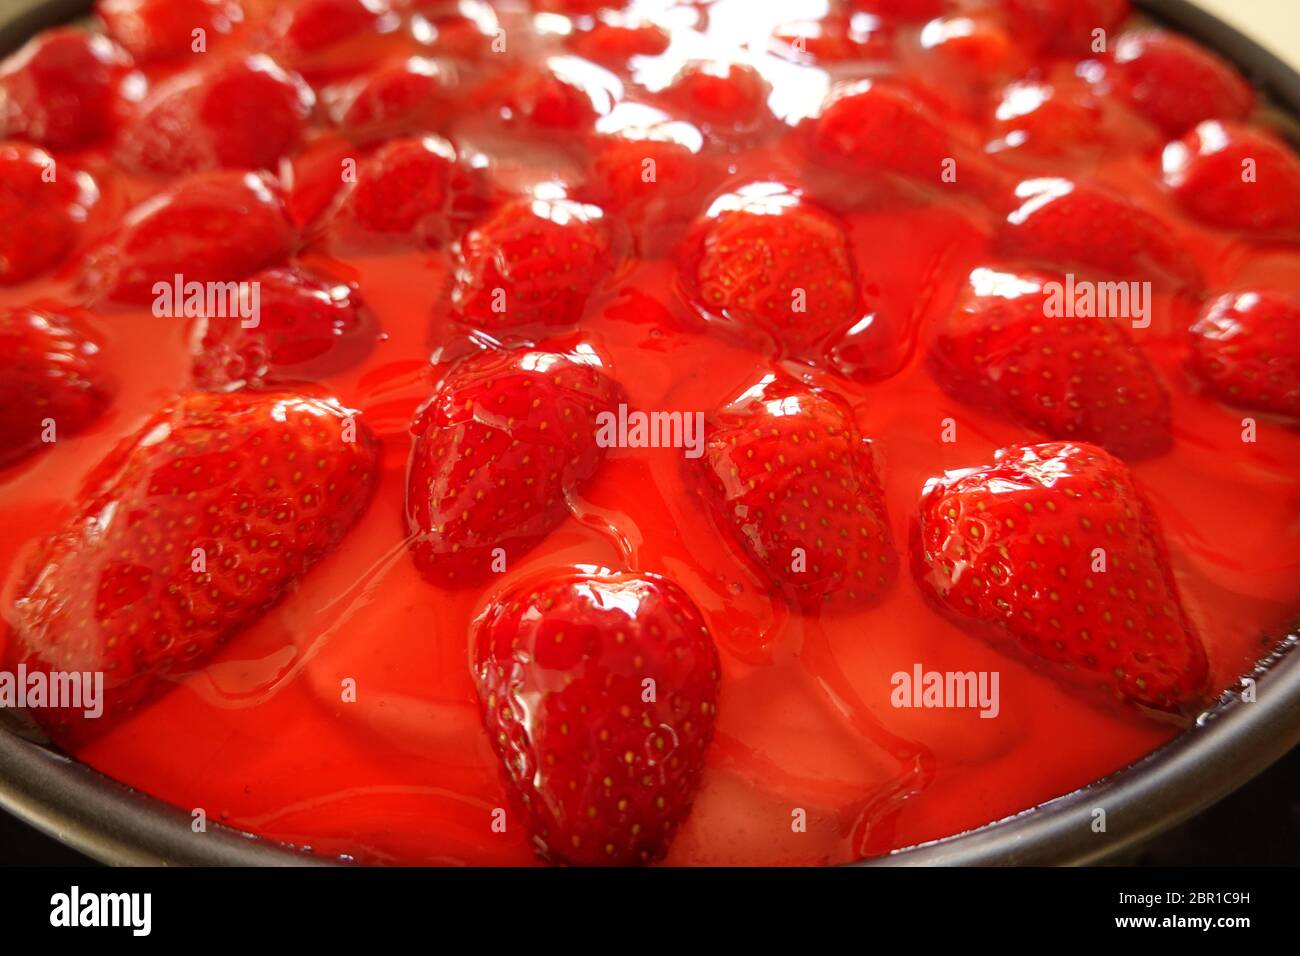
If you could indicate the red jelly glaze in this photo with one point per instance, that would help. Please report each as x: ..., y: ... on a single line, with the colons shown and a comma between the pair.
x: 260, y: 735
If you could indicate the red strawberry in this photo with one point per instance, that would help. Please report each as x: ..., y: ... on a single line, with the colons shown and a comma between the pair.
x: 413, y: 95
x: 532, y: 262
x: 404, y: 191
x: 1010, y: 347
x: 1246, y: 349
x: 647, y: 180
x: 786, y: 472
x: 884, y: 127
x: 1065, y: 26
x: 614, y: 44
x: 1176, y: 83
x: 900, y: 9
x: 767, y: 258
x: 164, y: 29
x: 315, y: 25
x: 211, y: 227
x: 599, y: 695
x: 719, y: 96
x: 61, y: 89
x: 1062, y: 223
x: 307, y: 328
x: 835, y: 38
x: 568, y: 95
x: 1235, y: 176
x: 246, y: 114
x: 450, y: 33
x: 1049, y: 119
x: 43, y: 206
x: 188, y: 533
x: 50, y: 368
x: 1014, y: 552
x: 505, y: 439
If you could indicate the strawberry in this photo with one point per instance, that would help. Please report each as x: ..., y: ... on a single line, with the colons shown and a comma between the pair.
x: 1065, y: 26
x: 460, y: 31
x: 307, y: 328
x: 1062, y: 223
x: 188, y: 533
x: 835, y: 38
x: 632, y: 174
x: 404, y: 191
x: 50, y: 368
x: 1176, y: 83
x: 1079, y: 378
x: 566, y: 96
x: 531, y: 263
x: 786, y: 472
x: 1235, y: 176
x: 1048, y: 119
x: 43, y: 206
x: 164, y: 29
x: 506, y: 438
x: 212, y: 227
x: 1015, y: 551
x: 315, y: 25
x: 245, y: 114
x: 599, y: 695
x: 1246, y: 349
x: 613, y: 44
x: 726, y: 97
x: 767, y: 258
x: 61, y: 89
x: 900, y: 9
x: 412, y: 95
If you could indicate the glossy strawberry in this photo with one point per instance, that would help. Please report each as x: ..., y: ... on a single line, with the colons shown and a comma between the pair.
x: 900, y: 9
x: 210, y: 227
x: 51, y: 372
x: 404, y: 192
x: 1246, y: 350
x: 506, y: 438
x: 414, y: 95
x: 165, y: 29
x: 787, y: 473
x: 306, y: 328
x: 835, y: 38
x: 599, y: 694
x: 61, y: 90
x: 767, y: 258
x: 724, y: 97
x: 566, y: 96
x: 1048, y: 119
x: 246, y: 114
x: 188, y: 533
x: 1022, y: 347
x: 646, y: 178
x: 1176, y: 83
x: 1235, y: 176
x: 531, y: 263
x: 1063, y: 223
x: 315, y: 25
x: 43, y: 206
x: 1065, y: 26
x: 614, y: 44
x: 1051, y: 553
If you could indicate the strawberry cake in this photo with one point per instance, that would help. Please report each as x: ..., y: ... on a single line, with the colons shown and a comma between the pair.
x: 571, y: 432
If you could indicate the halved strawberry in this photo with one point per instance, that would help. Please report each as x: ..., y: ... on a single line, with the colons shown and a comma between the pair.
x: 1176, y: 83
x: 212, y: 227
x: 767, y: 258
x: 786, y: 471
x: 1051, y: 553
x: 43, y: 206
x: 307, y: 328
x: 533, y: 262
x: 1235, y: 176
x: 245, y: 114
x: 61, y: 90
x: 507, y: 436
x: 599, y: 695
x: 1246, y: 349
x: 50, y: 369
x: 1011, y: 348
x: 186, y: 534
x: 164, y: 29
x: 1062, y: 223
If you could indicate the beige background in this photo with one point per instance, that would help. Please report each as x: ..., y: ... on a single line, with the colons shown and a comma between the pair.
x: 1273, y: 23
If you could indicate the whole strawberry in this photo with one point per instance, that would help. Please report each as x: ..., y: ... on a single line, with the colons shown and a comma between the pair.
x: 1246, y: 349
x: 599, y: 694
x: 156, y: 30
x: 787, y: 473
x: 1051, y: 554
x: 508, y: 436
x: 43, y: 208
x: 531, y: 263
x: 187, y: 533
x: 1077, y: 378
x: 51, y: 372
x: 766, y: 258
